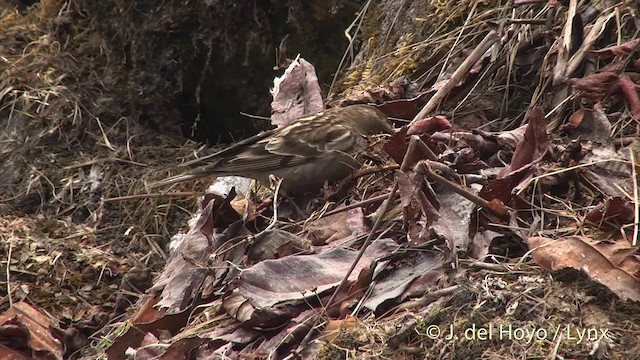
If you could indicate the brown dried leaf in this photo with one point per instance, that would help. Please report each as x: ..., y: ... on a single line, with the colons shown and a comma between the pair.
x: 533, y: 145
x: 396, y: 145
x: 302, y: 279
x: 612, y: 212
x: 334, y: 327
x: 622, y: 50
x: 184, y: 274
x: 590, y: 257
x: 24, y: 330
x: 337, y: 227
x: 576, y: 118
x: 429, y: 125
x: 246, y: 208
x: 597, y: 86
x: 390, y: 289
x: 403, y: 108
x: 629, y: 90
x: 273, y: 244
x: 295, y: 94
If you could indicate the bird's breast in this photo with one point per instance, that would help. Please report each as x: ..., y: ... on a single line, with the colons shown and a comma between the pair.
x: 312, y: 175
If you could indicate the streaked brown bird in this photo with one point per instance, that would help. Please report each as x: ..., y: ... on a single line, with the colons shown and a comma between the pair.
x: 314, y: 149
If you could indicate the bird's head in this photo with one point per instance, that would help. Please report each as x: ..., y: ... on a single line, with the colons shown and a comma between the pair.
x: 366, y: 119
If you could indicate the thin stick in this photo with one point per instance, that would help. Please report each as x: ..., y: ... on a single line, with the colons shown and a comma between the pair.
x: 458, y: 75
x: 423, y: 168
x: 96, y: 161
x: 596, y: 30
x: 387, y: 206
x: 275, y: 207
x: 361, y: 14
x: 634, y: 178
x: 426, y: 149
x: 559, y: 74
x: 9, y: 272
x: 358, y: 204
x: 152, y: 196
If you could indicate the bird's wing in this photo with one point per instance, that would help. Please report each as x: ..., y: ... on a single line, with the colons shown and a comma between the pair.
x: 309, y: 138
x: 299, y: 146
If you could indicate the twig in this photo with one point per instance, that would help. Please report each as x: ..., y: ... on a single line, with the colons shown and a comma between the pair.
x: 590, y: 39
x: 361, y: 14
x: 457, y: 40
x: 624, y: 141
x: 458, y: 75
x: 426, y: 149
x: 366, y: 202
x: 275, y: 207
x: 424, y: 169
x: 358, y: 204
x: 252, y: 116
x: 9, y: 272
x: 374, y: 170
x: 95, y: 161
x: 428, y: 298
x: 151, y: 196
x: 634, y: 179
x: 387, y: 206
x: 527, y: 21
x: 564, y: 48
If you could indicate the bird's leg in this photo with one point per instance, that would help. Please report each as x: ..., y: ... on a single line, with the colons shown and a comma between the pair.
x: 275, y: 184
x: 340, y: 190
x: 298, y: 210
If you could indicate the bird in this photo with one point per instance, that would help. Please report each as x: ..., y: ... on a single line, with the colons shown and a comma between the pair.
x: 305, y: 154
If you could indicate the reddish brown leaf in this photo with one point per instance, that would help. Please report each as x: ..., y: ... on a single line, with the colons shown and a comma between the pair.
x: 533, y: 145
x: 597, y: 86
x: 622, y: 50
x: 613, y: 212
x: 301, y: 280
x: 24, y: 330
x: 404, y: 108
x: 595, y: 260
x: 576, y: 118
x: 337, y: 227
x: 429, y: 125
x: 629, y: 90
x: 484, y: 144
x: 396, y: 145
x: 398, y: 99
x: 295, y: 94
x: 499, y: 189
